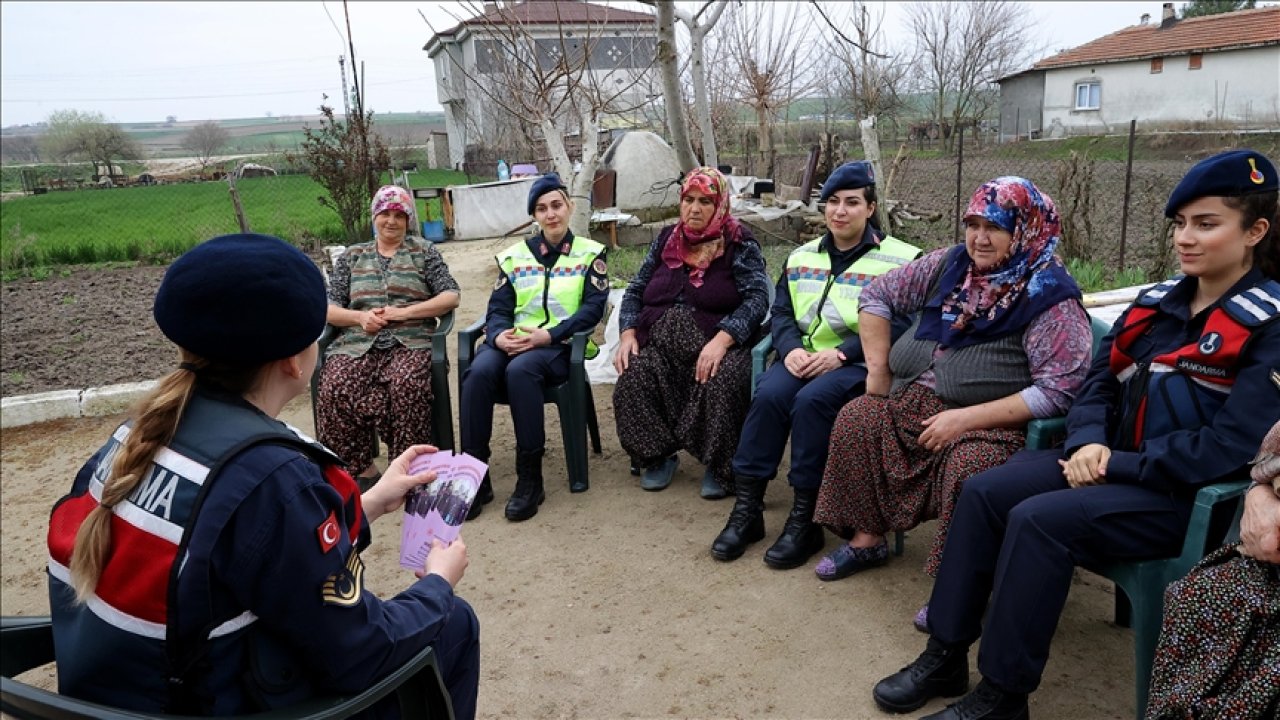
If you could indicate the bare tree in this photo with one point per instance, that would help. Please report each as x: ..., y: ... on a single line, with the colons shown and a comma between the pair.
x: 699, y: 24
x: 204, y: 141
x: 552, y: 84
x: 963, y: 48
x: 668, y: 64
x: 772, y: 64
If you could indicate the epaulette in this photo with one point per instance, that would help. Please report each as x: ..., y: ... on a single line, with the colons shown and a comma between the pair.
x: 1154, y: 294
x: 1256, y: 306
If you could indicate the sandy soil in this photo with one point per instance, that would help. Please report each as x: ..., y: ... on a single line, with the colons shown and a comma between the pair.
x: 608, y: 603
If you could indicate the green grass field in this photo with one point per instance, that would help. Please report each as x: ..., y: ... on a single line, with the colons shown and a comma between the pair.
x: 158, y: 223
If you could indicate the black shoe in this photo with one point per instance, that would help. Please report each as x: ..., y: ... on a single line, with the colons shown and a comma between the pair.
x: 528, y: 494
x: 938, y: 672
x: 746, y: 520
x: 986, y: 702
x: 801, y: 539
x: 484, y: 496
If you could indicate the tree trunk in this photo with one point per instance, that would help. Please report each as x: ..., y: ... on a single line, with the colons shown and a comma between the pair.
x: 677, y: 126
x: 700, y: 102
x: 871, y: 144
x: 580, y: 218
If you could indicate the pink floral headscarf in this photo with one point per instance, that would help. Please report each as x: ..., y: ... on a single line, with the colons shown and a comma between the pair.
x: 394, y: 197
x: 698, y: 249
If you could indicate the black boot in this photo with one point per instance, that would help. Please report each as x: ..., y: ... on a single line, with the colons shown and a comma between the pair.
x: 938, y: 672
x: 484, y: 495
x: 528, y: 495
x: 800, y: 538
x: 986, y: 702
x: 746, y: 520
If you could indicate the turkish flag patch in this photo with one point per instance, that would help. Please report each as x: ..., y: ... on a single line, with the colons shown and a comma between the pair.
x: 328, y: 533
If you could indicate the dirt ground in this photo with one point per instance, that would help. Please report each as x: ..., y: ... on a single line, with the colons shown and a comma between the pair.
x: 606, y: 604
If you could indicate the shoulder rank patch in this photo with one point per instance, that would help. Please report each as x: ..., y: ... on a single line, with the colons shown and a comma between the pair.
x: 328, y: 533
x: 345, y: 586
x: 599, y: 267
x: 1275, y: 378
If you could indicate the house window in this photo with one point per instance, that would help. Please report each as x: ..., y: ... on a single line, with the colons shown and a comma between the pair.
x: 1088, y: 95
x: 1157, y: 65
x: 1193, y: 62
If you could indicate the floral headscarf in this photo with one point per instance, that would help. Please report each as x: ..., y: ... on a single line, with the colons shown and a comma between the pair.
x: 394, y: 197
x: 978, y: 305
x: 698, y: 249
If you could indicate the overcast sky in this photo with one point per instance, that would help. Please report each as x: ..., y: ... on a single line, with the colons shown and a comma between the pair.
x: 143, y: 61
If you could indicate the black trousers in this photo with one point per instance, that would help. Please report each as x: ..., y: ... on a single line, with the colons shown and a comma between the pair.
x: 1018, y: 532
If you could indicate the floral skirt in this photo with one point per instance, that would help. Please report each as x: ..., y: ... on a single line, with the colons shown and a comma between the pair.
x: 385, y: 390
x: 1219, y: 651
x: 879, y: 478
x: 661, y: 408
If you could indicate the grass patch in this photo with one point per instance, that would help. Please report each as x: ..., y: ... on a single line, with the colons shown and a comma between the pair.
x: 155, y: 224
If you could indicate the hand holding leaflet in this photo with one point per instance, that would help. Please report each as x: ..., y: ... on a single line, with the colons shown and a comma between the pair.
x: 436, y: 511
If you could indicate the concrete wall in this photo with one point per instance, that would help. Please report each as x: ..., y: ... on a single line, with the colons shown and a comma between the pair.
x: 1244, y: 85
x: 1021, y: 105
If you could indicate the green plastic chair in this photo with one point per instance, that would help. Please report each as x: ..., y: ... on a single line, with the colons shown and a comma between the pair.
x: 27, y: 643
x: 573, y: 399
x: 441, y: 406
x: 1140, y: 585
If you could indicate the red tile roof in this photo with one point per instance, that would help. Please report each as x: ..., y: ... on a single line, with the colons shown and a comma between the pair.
x: 1243, y: 28
x: 553, y: 12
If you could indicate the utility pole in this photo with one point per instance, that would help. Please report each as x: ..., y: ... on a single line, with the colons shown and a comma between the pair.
x: 346, y: 99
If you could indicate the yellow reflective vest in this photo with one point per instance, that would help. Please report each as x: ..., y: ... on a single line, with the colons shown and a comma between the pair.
x: 826, y: 305
x: 547, y: 296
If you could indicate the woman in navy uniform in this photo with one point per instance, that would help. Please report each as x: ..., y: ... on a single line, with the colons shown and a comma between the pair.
x: 549, y: 287
x: 207, y: 560
x: 1180, y: 395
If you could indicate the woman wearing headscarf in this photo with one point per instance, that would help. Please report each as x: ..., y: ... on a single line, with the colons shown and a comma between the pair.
x: 1001, y: 338
x: 1179, y: 396
x: 1221, y: 637
x: 384, y: 298
x: 207, y: 560
x: 687, y: 322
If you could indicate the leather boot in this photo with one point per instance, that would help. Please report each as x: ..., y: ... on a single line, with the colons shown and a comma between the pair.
x: 528, y: 495
x: 800, y: 538
x: 986, y: 702
x: 940, y: 671
x: 746, y: 520
x: 484, y: 495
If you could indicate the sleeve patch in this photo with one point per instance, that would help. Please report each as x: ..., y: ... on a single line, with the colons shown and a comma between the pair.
x: 600, y: 267
x: 328, y: 533
x: 600, y: 283
x: 501, y: 281
x: 345, y: 587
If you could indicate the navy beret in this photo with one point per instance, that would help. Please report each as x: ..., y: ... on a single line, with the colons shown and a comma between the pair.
x: 542, y: 186
x: 1228, y: 174
x: 242, y: 300
x: 849, y: 176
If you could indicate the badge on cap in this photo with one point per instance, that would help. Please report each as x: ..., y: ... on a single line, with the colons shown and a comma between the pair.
x: 1256, y: 176
x: 328, y: 533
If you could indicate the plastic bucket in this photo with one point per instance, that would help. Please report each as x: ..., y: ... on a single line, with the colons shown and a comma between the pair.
x: 433, y: 230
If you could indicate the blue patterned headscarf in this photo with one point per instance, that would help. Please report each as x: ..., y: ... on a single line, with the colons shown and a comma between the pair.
x: 972, y: 305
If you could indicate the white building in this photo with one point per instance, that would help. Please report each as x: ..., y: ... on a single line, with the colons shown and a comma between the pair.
x: 1214, y: 69
x: 622, y: 46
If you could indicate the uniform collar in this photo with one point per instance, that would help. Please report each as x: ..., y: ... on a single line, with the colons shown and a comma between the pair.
x: 870, y: 239
x: 1177, y: 301
x: 541, y: 250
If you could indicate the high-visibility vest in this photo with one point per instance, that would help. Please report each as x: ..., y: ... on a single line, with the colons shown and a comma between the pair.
x: 825, y: 304
x: 547, y: 296
x: 1184, y: 388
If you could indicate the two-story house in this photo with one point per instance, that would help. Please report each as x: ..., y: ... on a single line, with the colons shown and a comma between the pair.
x: 621, y: 45
x: 1220, y: 69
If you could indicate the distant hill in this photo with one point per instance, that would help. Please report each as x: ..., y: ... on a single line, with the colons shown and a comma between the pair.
x: 260, y: 134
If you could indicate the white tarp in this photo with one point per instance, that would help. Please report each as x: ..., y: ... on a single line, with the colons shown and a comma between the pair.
x: 489, y: 210
x: 600, y: 368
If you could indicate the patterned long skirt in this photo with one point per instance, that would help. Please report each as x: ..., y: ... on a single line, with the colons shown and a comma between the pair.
x: 661, y: 408
x: 879, y: 478
x: 387, y: 390
x: 1219, y: 651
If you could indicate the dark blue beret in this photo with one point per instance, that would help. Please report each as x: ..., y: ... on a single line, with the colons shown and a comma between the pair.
x: 243, y: 300
x: 542, y: 186
x: 1228, y: 174
x: 849, y: 176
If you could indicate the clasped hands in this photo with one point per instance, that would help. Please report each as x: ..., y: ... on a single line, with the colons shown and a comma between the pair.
x: 807, y: 365
x: 512, y: 344
x: 375, y: 320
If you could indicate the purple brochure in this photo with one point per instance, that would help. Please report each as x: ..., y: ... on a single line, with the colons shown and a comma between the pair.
x: 436, y: 510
